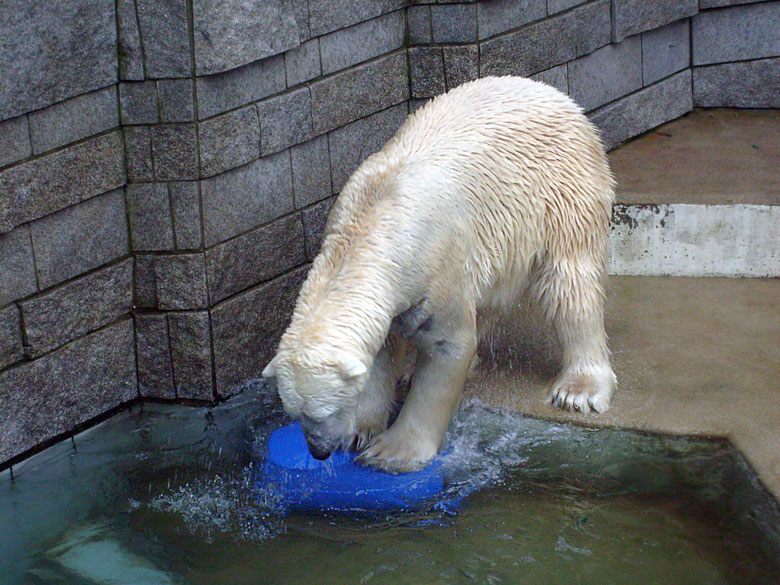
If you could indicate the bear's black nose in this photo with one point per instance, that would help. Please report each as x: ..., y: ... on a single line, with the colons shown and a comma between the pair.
x: 318, y: 452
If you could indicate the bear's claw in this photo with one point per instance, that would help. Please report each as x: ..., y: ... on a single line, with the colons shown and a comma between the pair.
x: 582, y: 392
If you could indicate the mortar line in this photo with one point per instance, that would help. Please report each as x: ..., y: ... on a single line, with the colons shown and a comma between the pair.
x: 135, y: 343
x: 202, y: 248
x: 32, y: 251
x: 141, y: 45
x: 170, y: 355
x: 173, y: 221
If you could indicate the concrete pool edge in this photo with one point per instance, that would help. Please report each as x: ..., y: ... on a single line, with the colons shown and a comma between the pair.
x: 694, y: 356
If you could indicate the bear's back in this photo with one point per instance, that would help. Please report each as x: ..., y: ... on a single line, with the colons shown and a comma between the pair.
x: 490, y: 113
x: 498, y: 170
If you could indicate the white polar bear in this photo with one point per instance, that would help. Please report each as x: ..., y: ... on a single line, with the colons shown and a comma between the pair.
x: 497, y: 188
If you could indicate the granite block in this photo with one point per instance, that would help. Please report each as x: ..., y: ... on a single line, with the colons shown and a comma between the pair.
x: 74, y: 119
x: 60, y: 179
x: 131, y: 64
x: 301, y: 12
x: 461, y: 64
x: 555, y: 6
x: 165, y: 36
x: 226, y: 91
x: 244, y: 198
x: 231, y: 33
x: 314, y: 220
x: 328, y: 15
x: 17, y: 266
x: 10, y: 336
x: 246, y: 330
x: 151, y: 227
x: 191, y: 355
x: 557, y: 77
x: 145, y: 293
x: 454, y: 23
x: 138, y: 150
x: 606, y: 74
x: 229, y: 141
x: 630, y: 17
x: 138, y: 102
x: 355, y: 93
x: 361, y: 42
x: 548, y: 43
x: 181, y: 281
x: 352, y: 144
x: 78, y: 307
x: 78, y: 55
x: 739, y: 33
x: 311, y: 171
x: 14, y: 140
x: 643, y: 110
x: 303, y: 63
x: 746, y: 84
x: 185, y: 210
x: 44, y: 398
x: 419, y: 24
x: 426, y: 72
x: 285, y: 120
x: 177, y: 100
x: 254, y: 257
x: 704, y: 4
x: 175, y: 152
x: 498, y: 16
x: 80, y: 238
x: 152, y: 343
x: 665, y: 50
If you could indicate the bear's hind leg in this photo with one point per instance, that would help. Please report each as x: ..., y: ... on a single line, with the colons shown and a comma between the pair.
x: 571, y: 294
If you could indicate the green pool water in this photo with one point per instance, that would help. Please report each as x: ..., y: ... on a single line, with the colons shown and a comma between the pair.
x: 163, y: 494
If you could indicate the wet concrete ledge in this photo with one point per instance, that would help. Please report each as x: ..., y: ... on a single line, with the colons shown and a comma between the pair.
x: 699, y: 196
x: 693, y: 356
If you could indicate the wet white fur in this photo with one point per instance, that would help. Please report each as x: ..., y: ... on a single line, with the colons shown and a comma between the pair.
x: 498, y: 188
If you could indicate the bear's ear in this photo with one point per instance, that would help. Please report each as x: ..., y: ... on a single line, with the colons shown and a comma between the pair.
x: 351, y: 367
x: 269, y: 373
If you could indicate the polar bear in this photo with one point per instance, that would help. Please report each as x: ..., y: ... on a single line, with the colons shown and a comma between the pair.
x: 496, y: 189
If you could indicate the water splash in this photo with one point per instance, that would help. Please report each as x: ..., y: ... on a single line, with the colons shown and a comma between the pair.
x: 224, y: 504
x: 480, y: 446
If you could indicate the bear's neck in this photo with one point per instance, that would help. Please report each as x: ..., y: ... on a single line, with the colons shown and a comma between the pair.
x: 354, y: 311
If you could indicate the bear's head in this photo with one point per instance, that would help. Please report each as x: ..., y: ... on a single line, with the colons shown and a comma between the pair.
x: 321, y: 389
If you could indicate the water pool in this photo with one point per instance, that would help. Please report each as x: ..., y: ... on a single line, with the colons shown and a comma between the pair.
x: 164, y: 494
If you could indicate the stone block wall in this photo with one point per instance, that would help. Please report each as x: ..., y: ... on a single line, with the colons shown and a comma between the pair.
x: 233, y: 159
x: 167, y: 166
x: 66, y: 269
x: 736, y: 55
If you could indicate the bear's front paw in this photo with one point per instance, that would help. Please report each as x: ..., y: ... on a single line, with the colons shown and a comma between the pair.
x: 398, y: 452
x: 582, y: 391
x: 365, y: 435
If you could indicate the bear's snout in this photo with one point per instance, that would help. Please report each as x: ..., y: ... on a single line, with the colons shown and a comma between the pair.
x: 322, y: 437
x: 318, y: 452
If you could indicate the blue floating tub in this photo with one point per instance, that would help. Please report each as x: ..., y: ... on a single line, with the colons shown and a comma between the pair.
x: 339, y: 483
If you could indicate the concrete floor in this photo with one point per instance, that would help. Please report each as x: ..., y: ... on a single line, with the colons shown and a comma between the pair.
x: 735, y: 156
x: 696, y: 356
